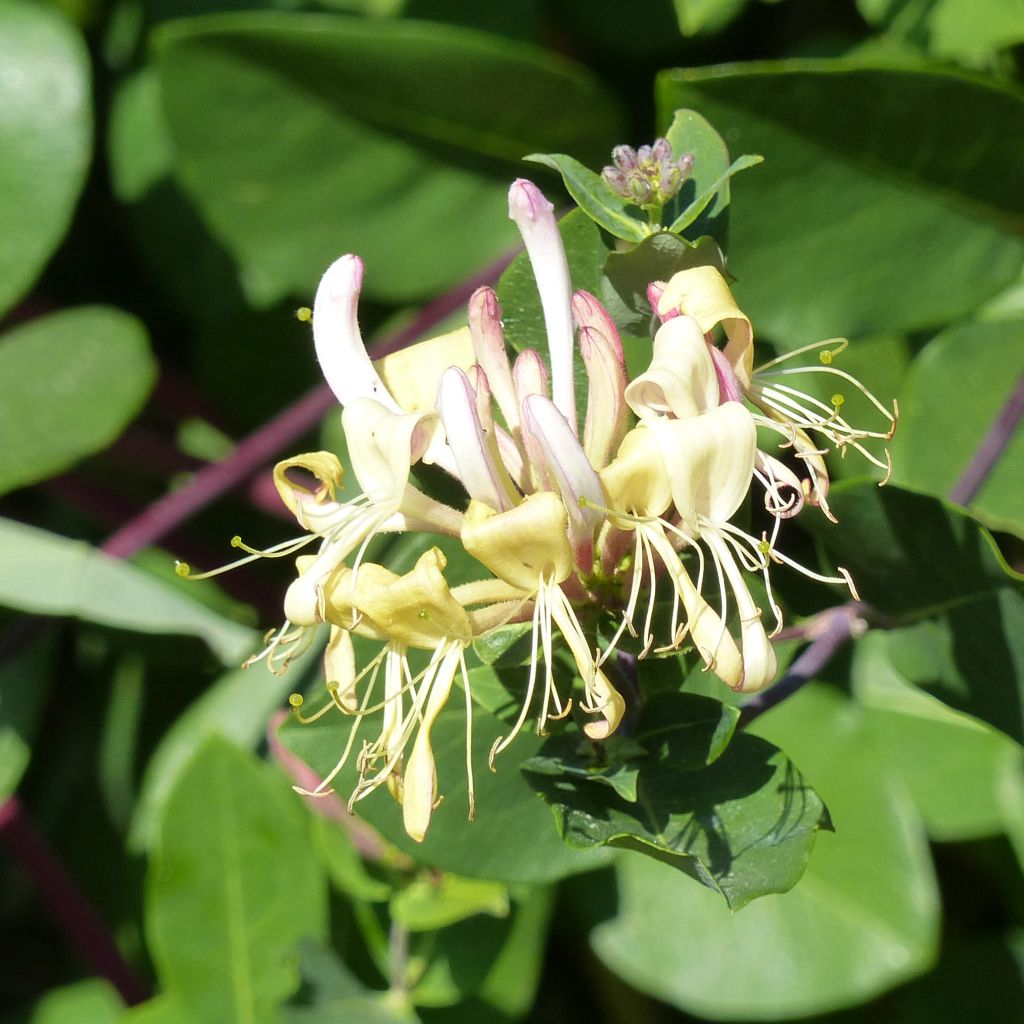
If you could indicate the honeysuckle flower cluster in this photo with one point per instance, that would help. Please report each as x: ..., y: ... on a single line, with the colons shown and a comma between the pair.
x: 619, y: 509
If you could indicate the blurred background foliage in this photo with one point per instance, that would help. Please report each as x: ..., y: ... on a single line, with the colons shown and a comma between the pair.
x: 174, y: 176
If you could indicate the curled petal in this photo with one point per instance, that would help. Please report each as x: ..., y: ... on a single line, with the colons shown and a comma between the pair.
x: 681, y: 379
x: 535, y: 218
x: 416, y: 609
x: 710, y: 462
x: 701, y: 292
x: 310, y: 506
x: 636, y: 479
x: 339, y: 345
x: 384, y: 446
x: 528, y: 543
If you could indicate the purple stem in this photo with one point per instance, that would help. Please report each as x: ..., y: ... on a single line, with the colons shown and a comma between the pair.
x: 65, y: 902
x: 991, y: 448
x: 835, y: 627
x: 210, y: 482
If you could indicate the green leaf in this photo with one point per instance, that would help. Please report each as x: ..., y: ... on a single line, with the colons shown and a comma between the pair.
x: 294, y: 130
x: 69, y: 384
x: 429, y: 903
x: 927, y: 562
x: 863, y: 918
x: 238, y: 707
x: 94, y: 1001
x: 690, y: 132
x: 513, y: 838
x: 26, y: 680
x: 823, y: 233
x: 953, y: 766
x: 702, y: 17
x: 970, y: 30
x: 594, y: 197
x: 48, y: 574
x: 934, y: 403
x: 627, y: 275
x: 233, y: 887
x: 703, y: 199
x: 742, y: 823
x: 45, y: 138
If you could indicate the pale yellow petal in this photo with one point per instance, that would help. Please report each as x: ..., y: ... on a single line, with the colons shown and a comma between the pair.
x: 702, y: 292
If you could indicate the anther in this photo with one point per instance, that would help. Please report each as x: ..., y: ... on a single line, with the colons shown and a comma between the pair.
x: 304, y: 314
x: 183, y: 569
x: 296, y: 701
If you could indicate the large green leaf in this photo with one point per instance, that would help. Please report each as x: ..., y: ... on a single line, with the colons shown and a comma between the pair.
x: 69, y: 384
x: 301, y: 136
x: 238, y: 707
x: 45, y: 138
x: 233, y: 888
x: 955, y: 389
x: 863, y: 918
x: 926, y: 562
x: 868, y: 214
x: 93, y: 1000
x: 513, y: 838
x: 47, y: 574
x: 954, y: 767
x: 742, y: 822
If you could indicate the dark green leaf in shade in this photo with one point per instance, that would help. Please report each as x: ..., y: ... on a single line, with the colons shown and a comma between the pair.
x: 302, y: 136
x: 595, y: 198
x: 743, y: 825
x: 94, y: 1000
x: 924, y: 561
x: 954, y: 390
x: 506, y: 645
x: 703, y: 199
x: 233, y: 888
x: 513, y: 838
x: 69, y: 384
x: 26, y: 679
x: 863, y: 918
x: 954, y: 767
x: 238, y: 706
x: 45, y: 138
x: 47, y: 574
x: 855, y: 224
x: 627, y: 275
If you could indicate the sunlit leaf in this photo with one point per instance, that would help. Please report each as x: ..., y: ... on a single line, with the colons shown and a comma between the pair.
x: 856, y: 224
x: 48, y: 574
x: 45, y: 138
x: 302, y: 136
x: 863, y: 918
x: 742, y: 822
x: 69, y: 384
x: 233, y: 888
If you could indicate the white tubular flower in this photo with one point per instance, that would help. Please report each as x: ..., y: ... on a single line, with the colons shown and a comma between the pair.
x: 535, y: 218
x: 799, y: 418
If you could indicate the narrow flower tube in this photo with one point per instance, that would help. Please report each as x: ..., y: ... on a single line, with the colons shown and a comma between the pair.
x: 483, y: 476
x: 339, y: 345
x: 535, y: 218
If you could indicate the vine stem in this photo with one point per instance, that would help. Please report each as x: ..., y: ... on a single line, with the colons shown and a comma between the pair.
x: 165, y: 514
x: 832, y: 629
x: 68, y: 906
x: 988, y: 453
